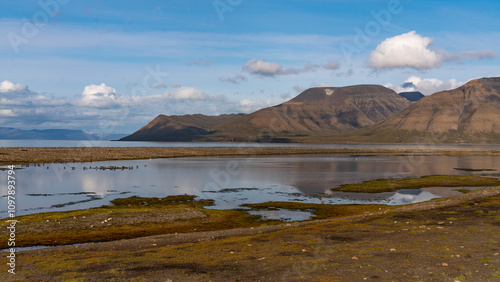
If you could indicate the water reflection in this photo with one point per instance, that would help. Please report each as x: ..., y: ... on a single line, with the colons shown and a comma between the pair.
x: 234, y: 181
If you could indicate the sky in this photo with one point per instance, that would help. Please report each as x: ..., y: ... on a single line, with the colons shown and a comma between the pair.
x: 112, y: 66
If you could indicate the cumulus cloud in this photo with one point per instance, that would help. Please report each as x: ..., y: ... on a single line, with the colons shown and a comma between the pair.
x: 406, y: 50
x: 262, y: 68
x: 9, y: 86
x: 101, y: 109
x: 99, y: 96
x: 413, y: 51
x: 425, y: 85
x: 235, y: 79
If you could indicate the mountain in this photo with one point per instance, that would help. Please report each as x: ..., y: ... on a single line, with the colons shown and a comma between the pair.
x: 412, y: 96
x: 179, y: 128
x: 316, y: 112
x: 468, y: 114
x: 52, y: 134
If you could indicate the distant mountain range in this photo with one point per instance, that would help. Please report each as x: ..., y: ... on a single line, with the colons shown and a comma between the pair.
x: 316, y: 112
x: 360, y: 114
x: 53, y: 134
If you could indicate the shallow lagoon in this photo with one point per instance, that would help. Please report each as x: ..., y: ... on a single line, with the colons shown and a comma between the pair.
x: 235, y: 181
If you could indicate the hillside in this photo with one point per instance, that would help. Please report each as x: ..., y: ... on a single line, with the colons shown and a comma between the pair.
x: 468, y: 114
x: 178, y: 128
x: 316, y: 112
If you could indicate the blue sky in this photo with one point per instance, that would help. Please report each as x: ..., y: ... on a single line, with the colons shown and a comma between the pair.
x: 112, y: 66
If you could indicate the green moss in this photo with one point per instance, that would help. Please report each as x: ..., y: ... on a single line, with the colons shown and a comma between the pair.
x: 170, y: 200
x: 473, y: 169
x: 321, y: 211
x: 390, y: 185
x: 138, y: 217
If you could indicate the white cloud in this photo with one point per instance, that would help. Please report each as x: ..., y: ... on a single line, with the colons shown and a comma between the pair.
x: 9, y: 86
x: 406, y: 50
x: 248, y: 106
x: 425, y: 85
x: 412, y: 50
x: 470, y: 55
x: 185, y: 93
x: 260, y: 67
x: 235, y: 79
x: 7, y: 113
x: 268, y: 69
x: 331, y: 65
x: 99, y: 96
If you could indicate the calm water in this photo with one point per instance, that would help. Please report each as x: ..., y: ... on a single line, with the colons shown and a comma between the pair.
x: 233, y: 181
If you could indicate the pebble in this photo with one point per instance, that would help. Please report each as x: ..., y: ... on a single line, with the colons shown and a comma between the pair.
x: 392, y: 250
x: 444, y: 264
x: 304, y: 250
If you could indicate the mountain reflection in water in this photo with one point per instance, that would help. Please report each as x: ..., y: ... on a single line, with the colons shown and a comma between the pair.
x: 234, y: 181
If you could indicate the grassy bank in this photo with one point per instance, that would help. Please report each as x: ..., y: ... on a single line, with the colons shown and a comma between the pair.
x: 136, y: 217
x: 390, y: 185
x: 127, y: 218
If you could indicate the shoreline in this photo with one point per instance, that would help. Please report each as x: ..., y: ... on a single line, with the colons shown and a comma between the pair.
x: 446, y: 239
x: 35, y: 155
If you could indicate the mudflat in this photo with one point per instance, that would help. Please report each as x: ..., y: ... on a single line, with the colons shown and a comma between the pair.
x: 14, y: 155
x: 446, y: 239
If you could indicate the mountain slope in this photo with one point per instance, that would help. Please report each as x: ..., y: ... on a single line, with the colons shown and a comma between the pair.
x: 470, y: 113
x: 324, y: 111
x: 178, y: 128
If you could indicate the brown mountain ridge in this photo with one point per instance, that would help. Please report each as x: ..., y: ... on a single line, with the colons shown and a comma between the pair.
x: 468, y: 114
x: 360, y: 113
x: 316, y: 112
x: 179, y: 128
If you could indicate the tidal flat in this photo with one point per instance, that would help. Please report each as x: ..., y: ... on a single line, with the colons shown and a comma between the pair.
x: 180, y: 237
x: 36, y: 155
